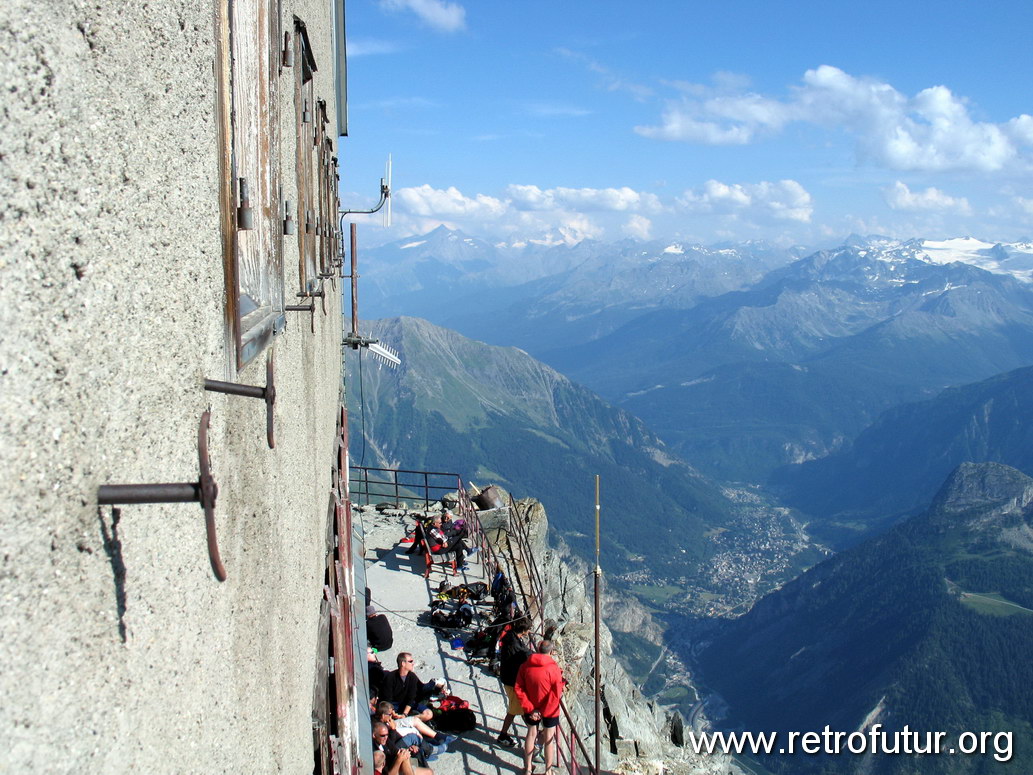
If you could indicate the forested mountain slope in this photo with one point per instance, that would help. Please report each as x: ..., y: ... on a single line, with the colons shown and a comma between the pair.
x: 897, y: 463
x: 496, y: 415
x: 929, y: 625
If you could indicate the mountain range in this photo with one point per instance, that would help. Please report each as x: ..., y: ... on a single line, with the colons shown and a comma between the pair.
x: 743, y: 358
x: 496, y: 415
x: 929, y: 625
x: 801, y: 362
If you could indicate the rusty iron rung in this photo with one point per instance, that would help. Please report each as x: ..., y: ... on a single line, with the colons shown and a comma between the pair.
x: 120, y: 494
x: 204, y: 491
x: 267, y: 393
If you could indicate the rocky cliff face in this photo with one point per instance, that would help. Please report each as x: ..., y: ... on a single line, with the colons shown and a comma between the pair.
x: 639, y: 735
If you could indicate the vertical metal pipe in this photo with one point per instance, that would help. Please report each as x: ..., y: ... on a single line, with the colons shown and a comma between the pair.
x: 355, y: 281
x: 598, y: 616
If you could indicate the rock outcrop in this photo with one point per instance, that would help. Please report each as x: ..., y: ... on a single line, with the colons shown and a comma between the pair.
x: 638, y: 735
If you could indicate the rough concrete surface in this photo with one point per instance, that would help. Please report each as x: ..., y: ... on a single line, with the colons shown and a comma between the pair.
x: 121, y: 652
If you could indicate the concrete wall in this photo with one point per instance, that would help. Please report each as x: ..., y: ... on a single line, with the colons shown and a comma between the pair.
x: 120, y: 651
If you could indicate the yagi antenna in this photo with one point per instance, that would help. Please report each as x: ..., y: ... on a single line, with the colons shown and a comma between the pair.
x: 384, y: 354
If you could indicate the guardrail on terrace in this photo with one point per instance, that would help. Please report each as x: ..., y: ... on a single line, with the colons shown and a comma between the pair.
x: 426, y: 487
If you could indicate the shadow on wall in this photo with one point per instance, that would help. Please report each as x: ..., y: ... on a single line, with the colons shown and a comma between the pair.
x: 113, y: 549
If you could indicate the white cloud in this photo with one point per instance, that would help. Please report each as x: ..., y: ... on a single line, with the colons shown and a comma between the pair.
x: 931, y: 131
x: 638, y: 226
x: 611, y: 81
x: 900, y: 197
x: 553, y: 110
x: 450, y: 202
x: 1024, y: 204
x: 555, y: 215
x: 437, y: 14
x: 785, y: 200
x: 397, y: 103
x: 367, y: 47
x: 615, y: 199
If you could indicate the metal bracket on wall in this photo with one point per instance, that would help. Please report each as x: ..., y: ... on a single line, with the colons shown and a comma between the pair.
x: 245, y: 215
x: 288, y: 52
x: 320, y: 294
x: 310, y: 307
x: 332, y: 277
x: 268, y: 394
x: 203, y: 491
x: 289, y: 227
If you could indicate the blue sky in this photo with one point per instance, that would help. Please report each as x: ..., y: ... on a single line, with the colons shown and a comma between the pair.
x: 797, y: 122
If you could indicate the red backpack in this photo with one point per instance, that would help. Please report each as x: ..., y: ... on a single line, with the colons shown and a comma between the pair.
x: 451, y: 702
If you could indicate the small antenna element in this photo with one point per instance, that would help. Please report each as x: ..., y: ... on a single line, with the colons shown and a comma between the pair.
x: 387, y: 212
x: 384, y: 354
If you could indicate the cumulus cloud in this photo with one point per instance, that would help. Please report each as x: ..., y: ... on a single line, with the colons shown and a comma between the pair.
x: 556, y: 215
x: 445, y: 203
x: 638, y: 226
x: 900, y: 197
x: 437, y: 14
x: 615, y: 199
x: 931, y: 131
x: 785, y: 200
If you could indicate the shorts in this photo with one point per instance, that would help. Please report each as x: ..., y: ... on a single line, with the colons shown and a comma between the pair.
x: 547, y: 722
x: 515, y: 708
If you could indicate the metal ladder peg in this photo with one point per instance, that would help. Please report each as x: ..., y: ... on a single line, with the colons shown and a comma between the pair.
x: 203, y: 491
x: 310, y: 308
x: 267, y: 394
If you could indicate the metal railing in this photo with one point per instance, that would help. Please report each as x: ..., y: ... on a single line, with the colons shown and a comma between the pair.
x: 428, y: 487
x: 396, y: 484
x: 569, y: 745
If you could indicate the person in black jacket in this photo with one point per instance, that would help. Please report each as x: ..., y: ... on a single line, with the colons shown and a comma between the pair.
x: 515, y: 649
x: 401, y: 687
x: 378, y: 630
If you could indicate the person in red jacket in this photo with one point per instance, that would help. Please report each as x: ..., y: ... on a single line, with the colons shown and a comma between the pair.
x: 539, y: 686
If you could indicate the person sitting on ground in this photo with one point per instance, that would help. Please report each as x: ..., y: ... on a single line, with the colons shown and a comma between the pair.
x: 378, y: 630
x: 402, y: 687
x: 513, y: 652
x: 440, y: 543
x: 414, y: 731
x: 397, y: 759
x: 539, y: 686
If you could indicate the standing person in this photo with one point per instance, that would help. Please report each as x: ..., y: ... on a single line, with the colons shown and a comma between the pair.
x: 513, y: 652
x: 378, y: 630
x: 539, y: 686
